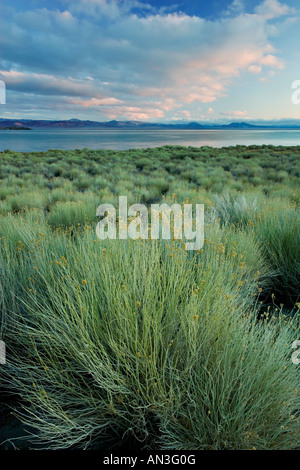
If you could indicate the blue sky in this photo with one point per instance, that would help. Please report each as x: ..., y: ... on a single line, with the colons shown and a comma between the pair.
x: 155, y: 61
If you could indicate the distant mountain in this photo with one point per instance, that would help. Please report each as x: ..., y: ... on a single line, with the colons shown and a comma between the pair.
x: 240, y: 125
x: 77, y: 123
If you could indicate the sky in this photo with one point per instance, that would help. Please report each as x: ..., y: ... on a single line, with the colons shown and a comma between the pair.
x: 152, y: 61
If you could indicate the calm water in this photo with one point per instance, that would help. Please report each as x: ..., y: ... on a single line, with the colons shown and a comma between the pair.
x: 115, y: 139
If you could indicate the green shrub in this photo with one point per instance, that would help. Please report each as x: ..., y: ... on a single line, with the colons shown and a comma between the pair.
x: 139, y: 340
x: 27, y: 200
x: 70, y: 214
x: 278, y: 229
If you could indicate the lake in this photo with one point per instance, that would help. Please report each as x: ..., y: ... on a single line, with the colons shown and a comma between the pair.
x: 119, y: 139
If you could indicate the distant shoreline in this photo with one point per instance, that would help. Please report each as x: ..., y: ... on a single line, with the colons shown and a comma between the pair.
x: 15, y: 128
x: 27, y: 124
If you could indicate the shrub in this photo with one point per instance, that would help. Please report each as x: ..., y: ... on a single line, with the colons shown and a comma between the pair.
x: 144, y: 341
x: 70, y: 214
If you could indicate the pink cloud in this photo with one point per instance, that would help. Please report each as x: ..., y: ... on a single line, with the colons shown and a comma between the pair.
x: 236, y: 113
x: 96, y: 102
x: 272, y: 61
x: 134, y: 113
x: 12, y: 76
x: 254, y: 68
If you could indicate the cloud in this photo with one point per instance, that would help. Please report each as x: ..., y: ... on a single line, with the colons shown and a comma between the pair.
x: 271, y: 9
x: 108, y: 9
x: 272, y: 61
x: 132, y: 57
x: 134, y: 113
x: 237, y: 6
x: 95, y: 102
x: 236, y: 113
x: 254, y: 68
x: 42, y: 84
